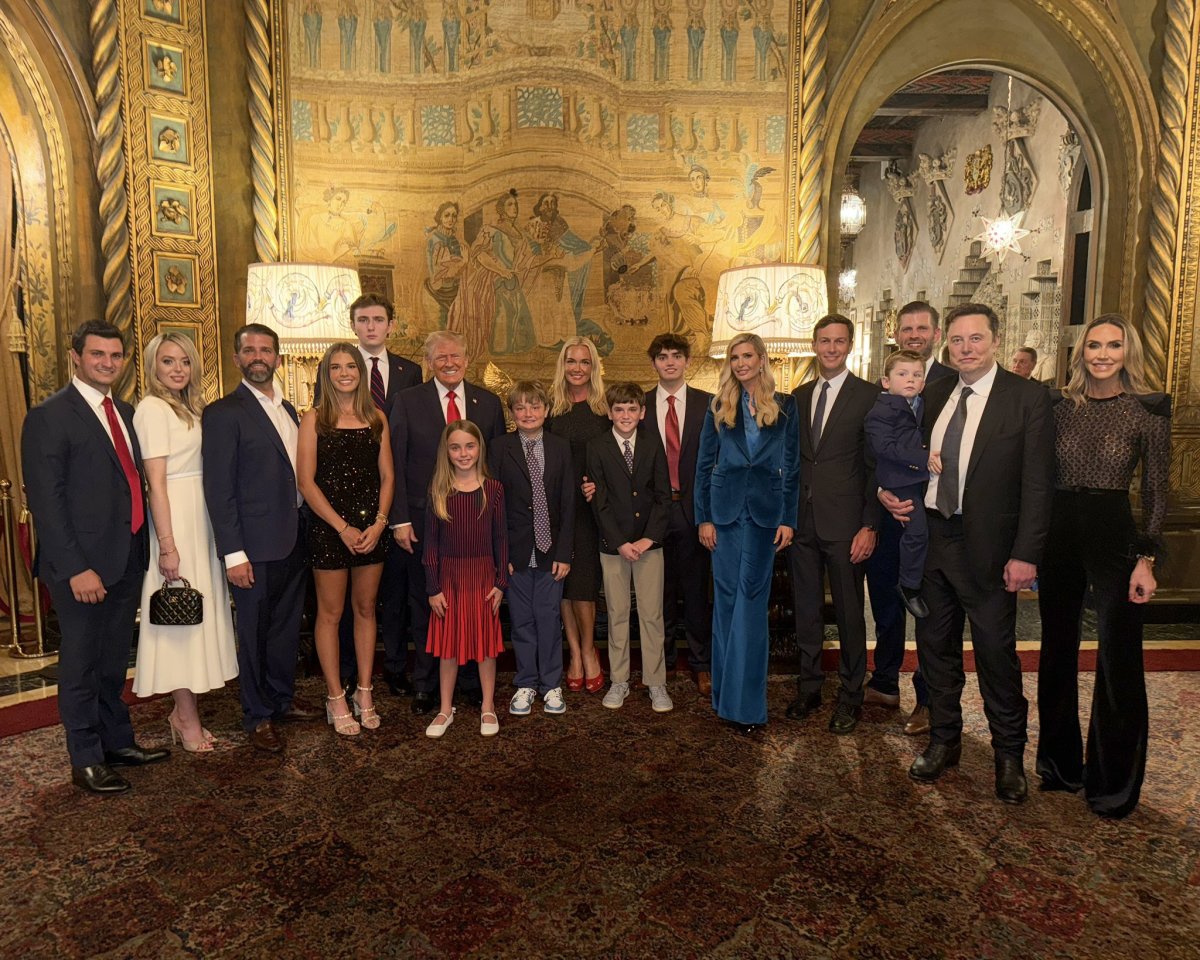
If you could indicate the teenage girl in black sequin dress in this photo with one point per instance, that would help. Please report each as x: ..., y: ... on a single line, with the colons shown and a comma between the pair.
x: 345, y: 476
x: 1106, y: 424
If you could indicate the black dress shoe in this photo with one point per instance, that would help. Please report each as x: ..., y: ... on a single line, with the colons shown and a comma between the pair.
x: 1011, y: 786
x: 845, y: 718
x: 399, y: 684
x: 803, y: 705
x: 473, y: 698
x: 133, y: 756
x: 912, y: 602
x: 933, y: 762
x: 422, y: 702
x: 745, y: 728
x: 299, y: 712
x: 100, y: 779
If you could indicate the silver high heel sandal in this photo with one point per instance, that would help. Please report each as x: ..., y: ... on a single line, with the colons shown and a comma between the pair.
x: 343, y: 723
x: 366, y: 715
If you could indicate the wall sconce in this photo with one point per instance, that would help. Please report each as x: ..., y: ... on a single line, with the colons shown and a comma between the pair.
x: 847, y: 286
x: 853, y: 212
x: 781, y: 302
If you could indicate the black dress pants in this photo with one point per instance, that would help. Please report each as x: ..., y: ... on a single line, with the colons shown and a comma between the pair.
x: 1091, y: 534
x: 686, y: 573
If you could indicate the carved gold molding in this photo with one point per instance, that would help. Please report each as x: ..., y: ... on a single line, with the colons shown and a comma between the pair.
x: 812, y: 83
x: 260, y: 68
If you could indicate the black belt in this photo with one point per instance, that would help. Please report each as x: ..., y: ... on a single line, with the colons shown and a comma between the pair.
x: 936, y: 515
x: 676, y: 496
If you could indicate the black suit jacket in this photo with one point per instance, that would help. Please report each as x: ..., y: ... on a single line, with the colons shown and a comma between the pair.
x: 1009, y: 484
x: 627, y: 507
x: 506, y: 460
x: 894, y: 442
x: 416, y: 424
x: 402, y: 374
x: 249, y: 483
x: 839, y: 476
x: 77, y: 490
x: 697, y: 402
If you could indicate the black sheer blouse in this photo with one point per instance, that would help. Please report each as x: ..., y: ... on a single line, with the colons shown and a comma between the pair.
x: 1100, y: 443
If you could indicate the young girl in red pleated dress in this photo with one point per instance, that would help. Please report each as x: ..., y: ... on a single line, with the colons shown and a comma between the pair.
x: 466, y: 569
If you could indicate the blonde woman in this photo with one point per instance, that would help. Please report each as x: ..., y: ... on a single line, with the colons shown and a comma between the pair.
x: 578, y: 412
x: 183, y: 661
x: 344, y: 473
x: 747, y: 481
x: 1106, y: 424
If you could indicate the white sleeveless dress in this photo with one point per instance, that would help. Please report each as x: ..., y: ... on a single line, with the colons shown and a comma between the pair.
x: 202, y: 657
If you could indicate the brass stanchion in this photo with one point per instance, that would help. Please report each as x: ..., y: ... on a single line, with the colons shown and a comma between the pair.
x: 12, y: 579
x: 39, y: 623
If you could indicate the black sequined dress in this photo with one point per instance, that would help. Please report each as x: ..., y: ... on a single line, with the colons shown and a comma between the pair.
x: 348, y: 475
x: 579, y: 425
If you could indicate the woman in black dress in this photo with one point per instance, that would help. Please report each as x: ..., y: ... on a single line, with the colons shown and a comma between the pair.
x: 344, y: 473
x: 579, y: 412
x: 1106, y: 423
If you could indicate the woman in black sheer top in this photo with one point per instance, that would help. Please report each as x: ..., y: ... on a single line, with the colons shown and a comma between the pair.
x: 1106, y: 424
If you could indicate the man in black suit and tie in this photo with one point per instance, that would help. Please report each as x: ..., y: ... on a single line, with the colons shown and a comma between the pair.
x: 674, y: 416
x: 991, y: 440
x: 249, y: 447
x: 418, y: 417
x: 83, y: 478
x: 838, y: 516
x: 917, y: 330
x: 372, y: 318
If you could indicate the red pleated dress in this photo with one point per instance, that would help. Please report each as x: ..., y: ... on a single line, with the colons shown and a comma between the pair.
x: 464, y: 558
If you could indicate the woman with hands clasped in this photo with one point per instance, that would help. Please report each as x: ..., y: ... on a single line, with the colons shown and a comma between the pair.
x: 344, y: 473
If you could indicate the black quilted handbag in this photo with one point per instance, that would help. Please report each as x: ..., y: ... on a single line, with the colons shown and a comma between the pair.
x: 176, y: 606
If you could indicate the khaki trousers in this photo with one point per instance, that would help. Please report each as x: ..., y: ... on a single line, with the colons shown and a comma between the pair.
x: 647, y: 577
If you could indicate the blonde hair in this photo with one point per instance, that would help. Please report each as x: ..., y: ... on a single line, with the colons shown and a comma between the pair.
x: 1133, y: 374
x: 190, y: 402
x: 762, y: 391
x: 443, y: 336
x: 561, y: 396
x: 442, y: 484
x: 327, y: 407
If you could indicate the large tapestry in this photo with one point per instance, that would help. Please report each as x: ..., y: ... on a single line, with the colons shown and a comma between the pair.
x: 522, y: 171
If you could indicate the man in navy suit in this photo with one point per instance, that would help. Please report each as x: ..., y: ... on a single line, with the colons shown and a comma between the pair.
x: 372, y: 318
x: 83, y: 477
x: 917, y: 330
x: 674, y: 416
x: 249, y: 447
x: 417, y: 420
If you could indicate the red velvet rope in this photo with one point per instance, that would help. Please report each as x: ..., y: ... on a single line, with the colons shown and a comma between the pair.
x: 25, y: 544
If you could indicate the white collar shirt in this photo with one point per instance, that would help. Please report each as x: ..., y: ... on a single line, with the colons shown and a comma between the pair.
x: 460, y: 397
x: 95, y: 400
x: 621, y: 441
x: 385, y: 368
x: 835, y: 386
x: 980, y: 391
x: 661, y: 407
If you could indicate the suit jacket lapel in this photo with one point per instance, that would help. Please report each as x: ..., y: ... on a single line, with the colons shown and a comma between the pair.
x: 844, y: 396
x: 259, y: 416
x: 738, y: 430
x: 993, y: 413
x: 93, y: 425
x: 517, y: 452
x: 804, y: 412
x: 693, y: 420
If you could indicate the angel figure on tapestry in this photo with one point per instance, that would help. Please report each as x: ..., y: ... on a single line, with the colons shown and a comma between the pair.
x: 491, y: 312
x: 557, y: 280
x: 445, y: 262
x: 758, y: 234
x: 329, y: 235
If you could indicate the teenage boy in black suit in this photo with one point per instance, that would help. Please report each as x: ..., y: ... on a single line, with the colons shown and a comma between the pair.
x: 539, y: 498
x: 83, y: 478
x: 630, y: 504
x: 675, y: 414
x: 417, y: 420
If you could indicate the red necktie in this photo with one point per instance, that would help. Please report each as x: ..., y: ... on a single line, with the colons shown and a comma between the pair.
x: 673, y: 443
x: 378, y: 394
x: 452, y: 413
x: 132, y: 477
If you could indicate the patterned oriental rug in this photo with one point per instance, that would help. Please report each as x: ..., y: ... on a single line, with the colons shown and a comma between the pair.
x: 600, y: 833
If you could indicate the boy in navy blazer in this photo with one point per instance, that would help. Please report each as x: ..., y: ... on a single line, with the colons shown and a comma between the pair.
x: 539, y: 497
x: 630, y: 504
x: 901, y: 463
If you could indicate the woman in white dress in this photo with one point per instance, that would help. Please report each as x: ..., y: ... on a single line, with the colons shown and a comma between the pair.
x: 183, y: 661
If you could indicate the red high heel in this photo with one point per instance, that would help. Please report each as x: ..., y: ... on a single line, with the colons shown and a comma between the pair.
x: 594, y: 684
x: 574, y: 684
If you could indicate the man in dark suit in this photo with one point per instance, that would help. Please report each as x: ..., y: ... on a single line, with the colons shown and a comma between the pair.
x: 417, y: 420
x: 989, y: 512
x: 917, y: 330
x: 674, y: 416
x: 249, y: 447
x: 838, y: 515
x: 83, y: 477
x: 372, y: 318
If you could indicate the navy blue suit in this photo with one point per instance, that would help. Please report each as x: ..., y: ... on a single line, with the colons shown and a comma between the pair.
x: 883, y: 573
x: 901, y: 466
x: 416, y: 424
x: 250, y: 491
x: 748, y: 490
x: 82, y: 505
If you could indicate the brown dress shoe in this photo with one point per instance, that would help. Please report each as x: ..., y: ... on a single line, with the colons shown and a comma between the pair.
x: 299, y: 711
x: 918, y: 722
x: 704, y: 683
x: 874, y: 698
x: 266, y: 737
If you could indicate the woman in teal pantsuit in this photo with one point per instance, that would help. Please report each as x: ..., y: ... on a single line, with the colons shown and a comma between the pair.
x: 747, y: 485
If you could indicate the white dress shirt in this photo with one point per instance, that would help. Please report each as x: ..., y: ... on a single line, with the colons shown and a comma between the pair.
x: 460, y: 397
x: 95, y: 400
x: 621, y: 441
x: 980, y: 391
x: 661, y: 406
x: 385, y: 368
x: 288, y: 432
x: 835, y: 385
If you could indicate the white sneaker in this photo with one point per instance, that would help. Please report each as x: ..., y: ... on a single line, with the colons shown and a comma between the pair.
x: 660, y: 702
x: 436, y: 729
x: 489, y: 728
x: 554, y: 701
x: 522, y: 702
x: 615, y: 698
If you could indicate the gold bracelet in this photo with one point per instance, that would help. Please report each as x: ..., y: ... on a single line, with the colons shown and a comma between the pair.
x: 345, y: 528
x: 381, y: 518
x: 1149, y: 558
